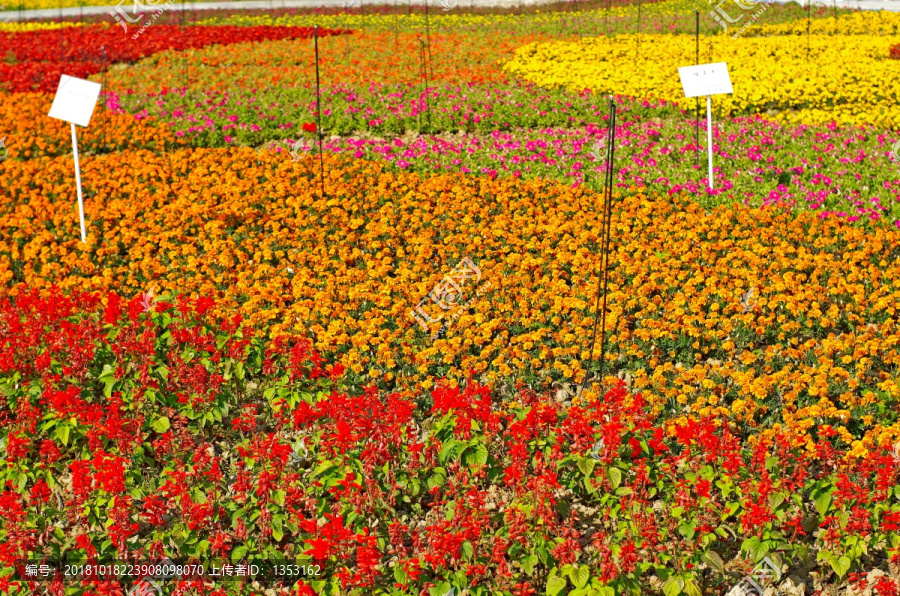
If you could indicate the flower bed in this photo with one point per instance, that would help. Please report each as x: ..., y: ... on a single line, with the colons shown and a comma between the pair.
x: 770, y: 73
x: 36, y: 59
x: 140, y: 429
x: 251, y: 229
x: 556, y: 134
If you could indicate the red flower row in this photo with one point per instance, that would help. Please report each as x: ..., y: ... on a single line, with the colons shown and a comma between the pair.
x: 160, y: 429
x: 36, y: 59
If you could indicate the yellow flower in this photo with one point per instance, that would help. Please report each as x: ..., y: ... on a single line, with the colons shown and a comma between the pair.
x: 770, y: 71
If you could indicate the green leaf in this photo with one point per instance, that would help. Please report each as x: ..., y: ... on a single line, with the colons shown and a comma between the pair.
x: 400, y: 575
x: 529, y: 562
x: 687, y: 529
x: 713, y: 559
x: 692, y: 589
x: 277, y: 528
x: 841, y: 565
x: 615, y: 477
x: 448, y: 450
x: 239, y: 553
x: 673, y: 586
x: 479, y: 457
x: 586, y: 465
x: 755, y: 548
x: 451, y: 511
x: 466, y: 550
x: 776, y: 499
x: 108, y: 371
x: 62, y: 433
x: 437, y: 478
x: 823, y: 502
x: 555, y: 586
x: 325, y: 469
x: 581, y: 576
x: 161, y: 424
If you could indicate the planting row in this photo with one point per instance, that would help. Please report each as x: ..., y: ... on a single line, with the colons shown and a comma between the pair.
x: 137, y: 429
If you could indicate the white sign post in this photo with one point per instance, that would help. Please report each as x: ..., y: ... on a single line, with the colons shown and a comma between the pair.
x: 74, y: 102
x: 708, y: 80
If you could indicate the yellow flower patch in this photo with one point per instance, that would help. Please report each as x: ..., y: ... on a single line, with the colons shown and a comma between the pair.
x: 847, y: 79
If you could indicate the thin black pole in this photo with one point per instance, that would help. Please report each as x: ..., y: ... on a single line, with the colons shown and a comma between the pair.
x: 607, y: 16
x: 61, y: 37
x: 637, y: 37
x: 81, y: 28
x: 60, y: 32
x: 604, y: 244
x: 578, y: 21
x: 428, y: 39
x: 425, y: 73
x: 808, y: 17
x: 319, y: 112
x: 697, y: 37
x: 103, y: 52
x: 345, y: 14
x: 609, y: 185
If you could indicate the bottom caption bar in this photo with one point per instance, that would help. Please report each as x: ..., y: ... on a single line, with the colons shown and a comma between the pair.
x: 263, y: 571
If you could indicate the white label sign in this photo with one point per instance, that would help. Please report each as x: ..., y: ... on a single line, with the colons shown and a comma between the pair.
x: 75, y: 100
x: 705, y: 79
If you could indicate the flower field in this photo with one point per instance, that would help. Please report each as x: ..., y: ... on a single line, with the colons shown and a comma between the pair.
x: 355, y: 338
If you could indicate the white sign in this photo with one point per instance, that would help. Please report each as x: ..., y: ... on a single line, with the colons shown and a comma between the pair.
x: 74, y: 103
x: 75, y: 100
x: 705, y: 79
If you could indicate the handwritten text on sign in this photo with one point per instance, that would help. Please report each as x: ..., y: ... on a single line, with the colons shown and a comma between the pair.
x: 705, y: 79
